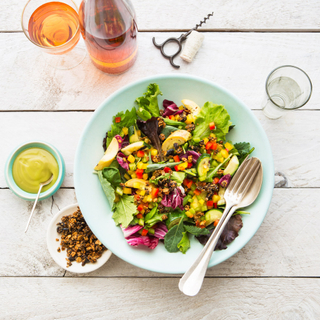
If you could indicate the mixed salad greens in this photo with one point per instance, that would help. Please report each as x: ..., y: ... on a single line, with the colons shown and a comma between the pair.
x: 165, y: 171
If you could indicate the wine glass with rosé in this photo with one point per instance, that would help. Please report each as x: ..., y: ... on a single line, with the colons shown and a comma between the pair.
x: 54, y: 27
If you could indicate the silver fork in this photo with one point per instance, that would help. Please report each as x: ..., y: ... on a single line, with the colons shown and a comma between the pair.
x: 191, y: 282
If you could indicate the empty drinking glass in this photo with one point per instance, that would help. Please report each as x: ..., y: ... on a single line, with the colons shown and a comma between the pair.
x: 287, y: 88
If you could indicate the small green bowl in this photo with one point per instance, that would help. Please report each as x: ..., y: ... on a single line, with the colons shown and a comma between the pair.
x: 12, y: 184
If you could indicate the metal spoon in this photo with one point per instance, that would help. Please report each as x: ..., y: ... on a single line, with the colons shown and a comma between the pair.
x: 42, y: 184
x: 190, y: 284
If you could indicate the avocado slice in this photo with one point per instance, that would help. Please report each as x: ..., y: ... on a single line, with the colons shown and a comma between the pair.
x: 203, y: 165
x: 109, y: 155
x: 133, y: 183
x: 132, y: 147
x: 212, y: 215
x: 133, y: 134
x: 180, y: 137
x: 192, y: 106
x: 232, y: 166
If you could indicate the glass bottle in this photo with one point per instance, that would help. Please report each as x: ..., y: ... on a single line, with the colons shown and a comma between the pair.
x: 109, y: 30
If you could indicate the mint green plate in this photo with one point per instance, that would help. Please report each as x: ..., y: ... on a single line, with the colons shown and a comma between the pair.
x: 94, y: 204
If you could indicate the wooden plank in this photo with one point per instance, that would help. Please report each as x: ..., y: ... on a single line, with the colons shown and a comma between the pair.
x: 265, y: 299
x: 285, y: 245
x: 239, y: 62
x: 229, y: 15
x: 293, y: 139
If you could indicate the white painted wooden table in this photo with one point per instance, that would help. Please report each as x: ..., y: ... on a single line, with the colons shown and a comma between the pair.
x: 276, y: 275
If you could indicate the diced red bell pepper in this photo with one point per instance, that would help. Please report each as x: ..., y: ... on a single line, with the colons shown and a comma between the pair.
x: 212, y: 126
x: 208, y: 145
x: 166, y: 169
x: 171, y: 117
x: 117, y: 119
x: 137, y: 197
x: 216, y: 222
x: 215, y: 180
x: 154, y: 192
x: 214, y: 146
x: 197, y: 192
x: 215, y: 205
x: 140, y: 207
x: 139, y: 216
x: 188, y: 183
x: 197, y: 223
x: 210, y: 203
x: 176, y: 168
x: 176, y: 158
x: 144, y: 232
x: 140, y: 154
x: 189, y: 165
x: 185, y: 181
x: 139, y: 171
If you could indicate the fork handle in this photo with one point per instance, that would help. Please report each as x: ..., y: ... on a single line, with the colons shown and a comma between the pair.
x: 191, y: 282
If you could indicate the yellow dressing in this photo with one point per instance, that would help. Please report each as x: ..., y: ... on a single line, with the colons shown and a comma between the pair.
x: 33, y: 166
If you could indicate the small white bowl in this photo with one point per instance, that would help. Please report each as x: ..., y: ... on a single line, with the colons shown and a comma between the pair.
x: 60, y: 257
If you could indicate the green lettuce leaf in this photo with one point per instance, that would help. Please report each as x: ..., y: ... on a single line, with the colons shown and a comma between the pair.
x: 242, y: 150
x: 184, y: 243
x: 196, y: 231
x: 178, y: 177
x: 211, y: 112
x: 128, y: 119
x: 112, y: 175
x: 107, y: 188
x: 148, y: 104
x: 124, y: 210
x: 173, y: 237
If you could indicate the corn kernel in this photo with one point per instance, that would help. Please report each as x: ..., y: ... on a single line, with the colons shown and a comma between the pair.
x: 224, y: 153
x: 127, y: 190
x: 138, y: 192
x: 140, y: 165
x: 181, y: 107
x: 144, y: 166
x: 149, y: 198
x: 229, y: 146
x: 136, y: 185
x: 201, y: 201
x: 133, y: 176
x: 145, y: 176
x: 189, y: 214
x: 154, y: 152
x: 142, y: 211
x: 216, y: 198
x: 142, y: 192
x: 190, y: 119
x: 127, y: 176
x: 125, y: 130
x: 139, y: 133
x: 145, y: 199
x: 130, y: 172
x: 212, y: 135
x: 131, y: 159
x: 205, y: 140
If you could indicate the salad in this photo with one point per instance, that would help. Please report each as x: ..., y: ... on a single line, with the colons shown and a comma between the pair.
x: 165, y: 171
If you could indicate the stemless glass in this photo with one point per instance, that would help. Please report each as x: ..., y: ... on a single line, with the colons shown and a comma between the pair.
x: 54, y: 27
x: 287, y: 88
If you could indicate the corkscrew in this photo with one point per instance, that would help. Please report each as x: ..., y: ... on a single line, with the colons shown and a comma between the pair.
x: 179, y: 41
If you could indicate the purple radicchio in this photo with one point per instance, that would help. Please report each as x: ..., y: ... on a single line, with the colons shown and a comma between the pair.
x: 123, y: 142
x: 122, y: 160
x: 150, y: 242
x: 170, y: 108
x: 193, y: 154
x: 174, y: 199
x: 225, y: 180
x: 229, y: 233
x: 151, y: 129
x: 160, y: 231
x: 130, y: 230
